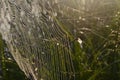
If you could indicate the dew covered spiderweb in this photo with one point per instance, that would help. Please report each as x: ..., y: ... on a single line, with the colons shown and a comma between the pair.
x: 41, y: 33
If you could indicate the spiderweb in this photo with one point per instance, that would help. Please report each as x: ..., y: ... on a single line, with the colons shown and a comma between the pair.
x: 41, y: 33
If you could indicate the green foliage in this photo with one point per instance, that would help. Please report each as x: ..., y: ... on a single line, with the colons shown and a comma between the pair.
x: 99, y: 59
x: 10, y: 69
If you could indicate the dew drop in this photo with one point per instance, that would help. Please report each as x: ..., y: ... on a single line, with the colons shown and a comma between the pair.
x: 55, y: 14
x: 58, y: 44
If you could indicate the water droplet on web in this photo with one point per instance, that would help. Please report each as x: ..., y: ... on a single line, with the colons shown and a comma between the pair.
x: 78, y: 21
x: 98, y: 18
x: 55, y: 14
x: 116, y: 15
x: 79, y: 40
x: 118, y: 12
x: 80, y: 17
x: 81, y: 32
x: 56, y: 1
x: 48, y: 2
x: 41, y: 79
x: 29, y: 31
x: 83, y: 19
x: 107, y: 26
x: 36, y: 69
x: 22, y: 13
x: 42, y: 52
x: 49, y: 17
x: 32, y: 63
x: 58, y: 44
x: 9, y: 58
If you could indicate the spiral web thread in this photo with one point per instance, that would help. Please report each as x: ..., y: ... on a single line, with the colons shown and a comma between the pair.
x: 40, y: 33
